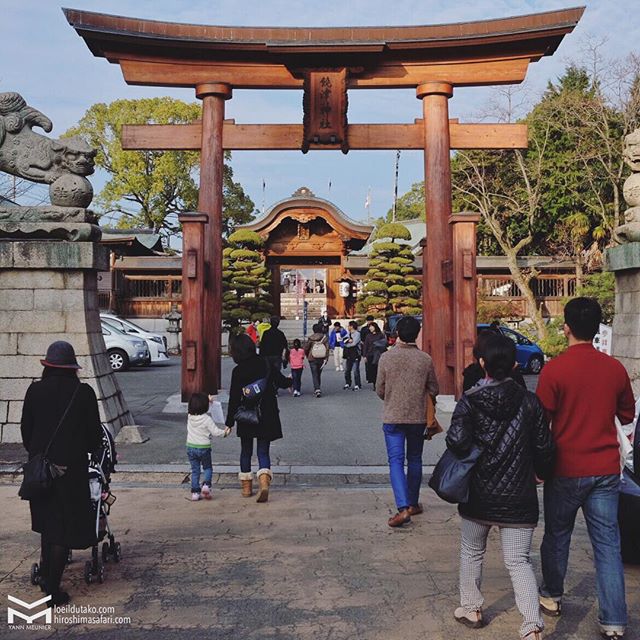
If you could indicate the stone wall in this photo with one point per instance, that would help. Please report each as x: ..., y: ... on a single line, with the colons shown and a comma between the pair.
x: 48, y: 292
x: 624, y: 261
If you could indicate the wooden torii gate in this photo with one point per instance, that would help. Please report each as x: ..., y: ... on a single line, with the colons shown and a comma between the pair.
x: 325, y: 63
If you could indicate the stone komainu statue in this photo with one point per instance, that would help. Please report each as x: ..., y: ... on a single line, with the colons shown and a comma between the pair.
x: 30, y: 155
x: 630, y: 230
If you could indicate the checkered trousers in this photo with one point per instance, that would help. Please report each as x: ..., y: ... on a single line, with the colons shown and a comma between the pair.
x: 516, y: 549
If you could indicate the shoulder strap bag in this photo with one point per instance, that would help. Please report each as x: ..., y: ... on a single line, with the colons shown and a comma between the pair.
x: 39, y: 472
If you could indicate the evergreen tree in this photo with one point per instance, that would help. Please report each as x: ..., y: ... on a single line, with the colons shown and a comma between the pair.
x: 390, y: 287
x: 245, y: 280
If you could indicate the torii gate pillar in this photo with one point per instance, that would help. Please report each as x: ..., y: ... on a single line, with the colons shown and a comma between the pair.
x: 213, y: 96
x: 437, y: 256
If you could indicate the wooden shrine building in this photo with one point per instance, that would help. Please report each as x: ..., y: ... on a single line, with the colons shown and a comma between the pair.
x: 326, y: 63
x: 307, y: 240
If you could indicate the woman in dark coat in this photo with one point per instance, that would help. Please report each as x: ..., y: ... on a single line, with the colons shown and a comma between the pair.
x: 64, y: 519
x: 375, y: 344
x: 251, y: 368
x: 507, y: 423
x: 474, y: 372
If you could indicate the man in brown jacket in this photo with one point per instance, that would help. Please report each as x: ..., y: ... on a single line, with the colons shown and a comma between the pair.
x: 406, y: 377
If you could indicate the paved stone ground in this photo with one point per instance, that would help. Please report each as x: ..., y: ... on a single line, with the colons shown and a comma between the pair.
x: 315, y: 564
x: 342, y: 428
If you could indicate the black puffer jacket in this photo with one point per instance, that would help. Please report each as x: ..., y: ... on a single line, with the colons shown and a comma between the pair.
x: 507, y: 422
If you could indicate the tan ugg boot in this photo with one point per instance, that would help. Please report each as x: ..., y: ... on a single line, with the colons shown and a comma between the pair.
x: 264, y: 478
x: 246, y: 482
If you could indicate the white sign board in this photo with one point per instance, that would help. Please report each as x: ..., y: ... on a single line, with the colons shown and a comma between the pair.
x: 602, y: 340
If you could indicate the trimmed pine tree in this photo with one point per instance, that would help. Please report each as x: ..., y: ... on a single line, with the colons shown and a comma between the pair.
x: 245, y: 280
x: 390, y: 287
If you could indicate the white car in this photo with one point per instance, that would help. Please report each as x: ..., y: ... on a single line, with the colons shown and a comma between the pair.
x: 157, y: 344
x: 123, y: 350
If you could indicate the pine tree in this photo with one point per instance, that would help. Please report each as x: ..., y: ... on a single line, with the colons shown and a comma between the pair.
x: 245, y: 280
x: 390, y: 287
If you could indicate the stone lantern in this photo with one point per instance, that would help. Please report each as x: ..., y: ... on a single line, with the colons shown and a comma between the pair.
x: 174, y: 317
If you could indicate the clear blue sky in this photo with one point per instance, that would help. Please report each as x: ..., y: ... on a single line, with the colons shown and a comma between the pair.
x: 51, y: 67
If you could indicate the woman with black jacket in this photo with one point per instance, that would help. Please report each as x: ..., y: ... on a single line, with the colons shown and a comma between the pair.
x: 474, y: 372
x: 507, y: 423
x: 251, y: 368
x: 64, y: 519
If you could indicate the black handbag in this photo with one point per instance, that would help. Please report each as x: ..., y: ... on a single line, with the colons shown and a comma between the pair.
x: 39, y: 472
x: 452, y: 475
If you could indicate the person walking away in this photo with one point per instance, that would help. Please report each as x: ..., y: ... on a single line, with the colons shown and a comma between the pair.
x: 406, y: 376
x: 200, y: 429
x: 583, y: 391
x: 252, y: 331
x: 273, y: 346
x: 317, y: 351
x: 351, y: 356
x: 336, y: 340
x: 507, y: 423
x: 296, y: 361
x: 474, y: 373
x: 374, y: 346
x: 262, y: 327
x: 251, y: 368
x: 61, y: 412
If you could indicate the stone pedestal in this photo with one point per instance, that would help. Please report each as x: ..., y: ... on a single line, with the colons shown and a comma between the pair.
x: 48, y: 292
x: 624, y: 261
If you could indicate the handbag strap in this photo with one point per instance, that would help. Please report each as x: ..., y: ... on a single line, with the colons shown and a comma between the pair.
x: 64, y: 415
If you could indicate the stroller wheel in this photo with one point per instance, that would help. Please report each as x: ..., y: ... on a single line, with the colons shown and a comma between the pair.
x: 35, y: 574
x: 88, y: 575
x: 100, y: 573
x: 70, y: 557
x: 117, y: 552
x: 105, y: 552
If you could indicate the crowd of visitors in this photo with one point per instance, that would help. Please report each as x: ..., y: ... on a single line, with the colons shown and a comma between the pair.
x: 503, y: 441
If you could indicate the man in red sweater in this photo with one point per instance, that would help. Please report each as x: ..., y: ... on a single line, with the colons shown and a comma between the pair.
x: 583, y: 391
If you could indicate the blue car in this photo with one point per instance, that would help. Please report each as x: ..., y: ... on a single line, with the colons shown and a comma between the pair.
x: 529, y: 355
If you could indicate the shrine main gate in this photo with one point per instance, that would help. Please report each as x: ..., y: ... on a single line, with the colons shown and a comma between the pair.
x: 325, y: 63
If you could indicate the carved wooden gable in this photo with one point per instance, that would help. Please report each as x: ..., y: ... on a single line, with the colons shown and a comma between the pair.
x: 306, y: 234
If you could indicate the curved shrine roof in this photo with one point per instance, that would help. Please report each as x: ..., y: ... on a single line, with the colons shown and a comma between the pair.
x: 304, y: 200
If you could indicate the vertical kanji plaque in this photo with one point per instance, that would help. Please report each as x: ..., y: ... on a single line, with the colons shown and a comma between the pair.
x: 325, y: 109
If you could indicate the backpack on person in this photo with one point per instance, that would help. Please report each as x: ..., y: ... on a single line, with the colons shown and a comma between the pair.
x: 319, y: 350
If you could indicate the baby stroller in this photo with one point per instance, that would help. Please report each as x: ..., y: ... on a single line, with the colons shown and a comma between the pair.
x: 101, y: 466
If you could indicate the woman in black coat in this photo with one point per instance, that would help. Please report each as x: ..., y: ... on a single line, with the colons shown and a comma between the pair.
x: 474, y: 372
x: 64, y: 519
x: 507, y: 423
x: 251, y: 368
x: 375, y: 344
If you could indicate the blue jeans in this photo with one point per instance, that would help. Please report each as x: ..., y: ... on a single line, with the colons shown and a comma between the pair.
x: 350, y: 365
x: 197, y: 458
x: 246, y: 451
x: 316, y: 373
x: 406, y: 488
x: 296, y: 374
x: 597, y: 496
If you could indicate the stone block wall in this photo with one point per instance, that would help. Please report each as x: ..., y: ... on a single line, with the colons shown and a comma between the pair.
x: 624, y: 261
x: 48, y: 292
